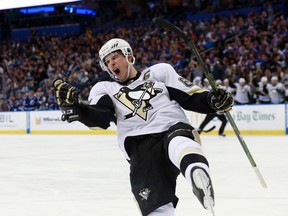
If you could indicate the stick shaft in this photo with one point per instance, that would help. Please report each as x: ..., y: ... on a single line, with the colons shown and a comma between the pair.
x: 165, y: 24
x: 246, y: 149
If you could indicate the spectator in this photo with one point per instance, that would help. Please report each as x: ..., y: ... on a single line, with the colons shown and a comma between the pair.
x: 18, y: 104
x: 51, y: 100
x: 42, y: 100
x: 286, y: 92
x: 256, y: 47
x: 30, y: 101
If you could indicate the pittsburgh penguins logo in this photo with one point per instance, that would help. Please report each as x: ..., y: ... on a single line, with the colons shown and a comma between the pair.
x: 138, y: 99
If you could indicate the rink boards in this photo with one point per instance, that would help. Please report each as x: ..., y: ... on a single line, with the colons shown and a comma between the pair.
x: 250, y: 119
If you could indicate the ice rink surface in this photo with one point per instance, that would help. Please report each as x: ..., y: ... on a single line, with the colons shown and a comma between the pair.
x: 87, y: 175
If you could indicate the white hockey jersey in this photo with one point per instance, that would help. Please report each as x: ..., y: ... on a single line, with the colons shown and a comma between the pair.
x: 242, y: 93
x: 145, y: 106
x: 276, y: 92
x: 263, y: 96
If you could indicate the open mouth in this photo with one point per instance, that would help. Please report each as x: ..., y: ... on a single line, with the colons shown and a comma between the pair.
x: 116, y: 71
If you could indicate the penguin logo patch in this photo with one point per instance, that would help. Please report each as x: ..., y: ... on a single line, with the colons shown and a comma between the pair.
x: 137, y: 100
x: 144, y: 193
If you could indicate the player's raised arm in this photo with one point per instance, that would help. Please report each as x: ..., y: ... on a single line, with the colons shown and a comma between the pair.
x: 192, y: 97
x: 75, y: 109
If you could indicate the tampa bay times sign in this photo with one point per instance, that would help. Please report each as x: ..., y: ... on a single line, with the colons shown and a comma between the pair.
x: 255, y: 115
x: 251, y: 119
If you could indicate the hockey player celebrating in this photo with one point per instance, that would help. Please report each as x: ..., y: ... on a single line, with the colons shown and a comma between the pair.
x: 264, y: 97
x: 153, y: 131
x: 276, y: 90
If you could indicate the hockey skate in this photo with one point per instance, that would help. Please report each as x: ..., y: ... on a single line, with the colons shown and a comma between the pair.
x: 202, y: 188
x: 222, y: 135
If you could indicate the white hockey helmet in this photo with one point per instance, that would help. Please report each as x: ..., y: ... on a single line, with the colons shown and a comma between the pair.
x: 112, y: 46
x: 218, y: 82
x: 264, y: 79
x: 242, y: 80
x: 274, y: 78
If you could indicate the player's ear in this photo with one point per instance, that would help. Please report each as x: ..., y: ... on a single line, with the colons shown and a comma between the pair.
x: 131, y: 59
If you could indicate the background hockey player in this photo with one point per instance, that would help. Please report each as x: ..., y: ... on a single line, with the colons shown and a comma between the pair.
x: 153, y: 131
x: 264, y: 97
x: 210, y: 116
x: 276, y: 90
x: 243, y: 92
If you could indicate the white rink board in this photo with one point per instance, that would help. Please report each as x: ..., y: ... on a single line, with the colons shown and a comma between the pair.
x: 51, y: 120
x: 252, y: 118
x: 13, y: 122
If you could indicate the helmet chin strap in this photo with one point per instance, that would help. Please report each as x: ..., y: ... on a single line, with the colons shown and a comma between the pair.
x: 129, y: 66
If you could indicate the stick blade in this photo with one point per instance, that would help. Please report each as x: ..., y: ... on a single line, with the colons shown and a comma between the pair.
x: 169, y: 26
x: 260, y: 177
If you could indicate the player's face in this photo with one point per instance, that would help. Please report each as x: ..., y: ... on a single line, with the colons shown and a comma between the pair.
x: 274, y: 82
x: 117, y: 64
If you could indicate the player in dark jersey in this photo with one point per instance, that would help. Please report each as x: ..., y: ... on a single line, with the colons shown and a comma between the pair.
x: 153, y: 131
x: 209, y: 117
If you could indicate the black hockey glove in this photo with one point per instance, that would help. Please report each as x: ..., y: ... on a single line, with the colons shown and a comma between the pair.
x: 220, y: 100
x: 280, y: 91
x: 67, y: 97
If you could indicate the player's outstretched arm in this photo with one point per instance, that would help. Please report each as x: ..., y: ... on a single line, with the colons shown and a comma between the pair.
x: 75, y: 109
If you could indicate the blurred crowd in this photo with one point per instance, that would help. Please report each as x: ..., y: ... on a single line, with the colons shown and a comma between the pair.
x: 247, y: 55
x: 120, y: 11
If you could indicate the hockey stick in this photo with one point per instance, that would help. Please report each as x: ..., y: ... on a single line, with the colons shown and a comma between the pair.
x: 165, y: 24
x: 210, y: 129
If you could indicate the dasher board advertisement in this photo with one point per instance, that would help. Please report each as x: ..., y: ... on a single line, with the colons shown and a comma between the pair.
x: 13, y: 122
x: 250, y: 119
x: 50, y: 122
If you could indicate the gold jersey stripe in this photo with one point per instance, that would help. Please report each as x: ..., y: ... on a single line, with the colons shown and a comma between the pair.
x: 188, y: 151
x: 196, y: 90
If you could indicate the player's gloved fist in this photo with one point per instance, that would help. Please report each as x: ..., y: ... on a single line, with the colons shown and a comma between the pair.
x: 65, y: 92
x: 67, y: 97
x: 220, y: 100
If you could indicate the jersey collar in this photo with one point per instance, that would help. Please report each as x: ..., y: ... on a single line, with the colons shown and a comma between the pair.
x: 129, y: 81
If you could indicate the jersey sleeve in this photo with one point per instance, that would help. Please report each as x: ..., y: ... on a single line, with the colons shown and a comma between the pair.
x: 189, y: 96
x: 100, y: 111
x: 96, y: 93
